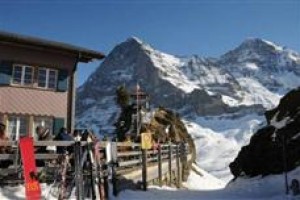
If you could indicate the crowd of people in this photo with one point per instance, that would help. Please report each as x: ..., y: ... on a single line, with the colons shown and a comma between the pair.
x: 44, y: 134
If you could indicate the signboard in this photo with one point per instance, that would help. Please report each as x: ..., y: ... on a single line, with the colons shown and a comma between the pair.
x: 108, y: 152
x: 146, y: 140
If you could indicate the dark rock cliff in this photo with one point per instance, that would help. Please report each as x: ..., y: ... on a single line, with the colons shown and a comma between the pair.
x: 273, y: 145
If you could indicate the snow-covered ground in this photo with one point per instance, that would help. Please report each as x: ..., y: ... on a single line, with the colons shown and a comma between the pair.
x: 270, y: 187
x: 219, y: 139
x: 200, y: 185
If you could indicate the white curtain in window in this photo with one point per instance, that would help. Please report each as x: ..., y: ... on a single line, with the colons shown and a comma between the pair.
x: 17, y: 127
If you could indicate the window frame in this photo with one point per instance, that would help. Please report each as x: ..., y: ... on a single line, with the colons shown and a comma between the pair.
x: 17, y: 119
x: 23, y: 72
x: 47, y: 78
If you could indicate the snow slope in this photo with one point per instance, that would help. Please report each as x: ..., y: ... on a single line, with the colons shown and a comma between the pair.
x: 219, y: 139
x: 267, y: 188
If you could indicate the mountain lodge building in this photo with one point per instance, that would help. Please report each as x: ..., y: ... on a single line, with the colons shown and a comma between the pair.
x: 37, y: 83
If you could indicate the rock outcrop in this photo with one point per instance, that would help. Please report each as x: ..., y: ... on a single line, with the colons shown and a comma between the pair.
x: 163, y: 119
x: 275, y: 144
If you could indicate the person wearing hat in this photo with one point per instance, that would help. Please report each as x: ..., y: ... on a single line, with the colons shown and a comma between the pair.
x: 43, y: 134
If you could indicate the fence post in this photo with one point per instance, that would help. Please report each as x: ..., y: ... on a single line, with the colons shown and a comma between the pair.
x: 159, y: 166
x: 183, y: 160
x: 105, y: 181
x: 178, y: 170
x: 78, y: 172
x: 114, y: 152
x: 144, y: 169
x: 170, y: 162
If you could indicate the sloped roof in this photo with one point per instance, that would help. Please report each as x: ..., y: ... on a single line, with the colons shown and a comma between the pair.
x: 85, y: 55
x: 28, y: 101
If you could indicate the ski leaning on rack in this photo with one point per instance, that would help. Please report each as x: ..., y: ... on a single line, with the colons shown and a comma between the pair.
x: 94, y: 170
x: 60, y: 188
x: 100, y: 169
x: 63, y: 193
x: 32, y: 185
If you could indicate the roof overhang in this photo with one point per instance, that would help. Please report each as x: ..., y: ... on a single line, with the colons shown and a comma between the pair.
x: 83, y: 55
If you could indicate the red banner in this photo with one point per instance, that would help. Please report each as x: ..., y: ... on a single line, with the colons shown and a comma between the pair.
x: 32, y: 185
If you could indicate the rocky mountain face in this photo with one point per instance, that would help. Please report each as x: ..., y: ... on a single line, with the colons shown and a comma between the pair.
x: 249, y: 78
x: 275, y: 144
x: 265, y: 62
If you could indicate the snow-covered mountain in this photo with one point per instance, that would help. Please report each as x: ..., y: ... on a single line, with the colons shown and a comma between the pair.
x: 273, y: 66
x: 222, y: 99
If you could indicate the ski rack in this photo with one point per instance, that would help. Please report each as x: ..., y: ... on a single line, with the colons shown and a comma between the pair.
x: 123, y: 164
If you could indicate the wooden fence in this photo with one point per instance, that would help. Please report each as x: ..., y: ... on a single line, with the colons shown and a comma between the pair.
x: 132, y: 166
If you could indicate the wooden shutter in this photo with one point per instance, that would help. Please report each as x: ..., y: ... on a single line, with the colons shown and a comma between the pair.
x: 5, y: 72
x: 62, y: 85
x: 58, y: 123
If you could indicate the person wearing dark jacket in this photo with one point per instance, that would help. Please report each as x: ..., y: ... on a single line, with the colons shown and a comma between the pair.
x: 63, y: 135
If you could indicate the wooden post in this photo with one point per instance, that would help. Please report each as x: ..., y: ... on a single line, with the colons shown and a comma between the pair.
x: 159, y: 166
x: 114, y: 180
x: 78, y: 172
x: 144, y: 169
x: 178, y: 174
x: 105, y: 179
x: 183, y: 160
x: 170, y: 163
x: 284, y: 158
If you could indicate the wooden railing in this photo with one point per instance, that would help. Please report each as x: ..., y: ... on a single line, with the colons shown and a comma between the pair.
x: 132, y: 167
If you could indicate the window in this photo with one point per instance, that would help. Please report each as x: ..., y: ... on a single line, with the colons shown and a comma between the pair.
x: 22, y: 75
x: 46, y: 122
x: 47, y: 78
x: 17, y: 126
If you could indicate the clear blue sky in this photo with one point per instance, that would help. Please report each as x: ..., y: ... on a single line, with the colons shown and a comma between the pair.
x: 207, y: 28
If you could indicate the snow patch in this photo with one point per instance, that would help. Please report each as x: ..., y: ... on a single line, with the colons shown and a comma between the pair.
x: 255, y: 93
x: 276, y: 47
x: 230, y: 101
x: 251, y: 66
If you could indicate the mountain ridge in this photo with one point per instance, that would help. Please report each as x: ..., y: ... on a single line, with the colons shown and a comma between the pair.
x: 213, y: 78
x: 206, y: 92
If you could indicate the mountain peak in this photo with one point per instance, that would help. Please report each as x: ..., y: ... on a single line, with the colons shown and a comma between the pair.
x: 134, y: 42
x: 135, y: 39
x: 254, y: 50
x: 257, y: 43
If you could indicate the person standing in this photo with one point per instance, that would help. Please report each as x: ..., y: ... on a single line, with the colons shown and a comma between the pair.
x: 63, y: 135
x: 4, y: 149
x: 43, y: 134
